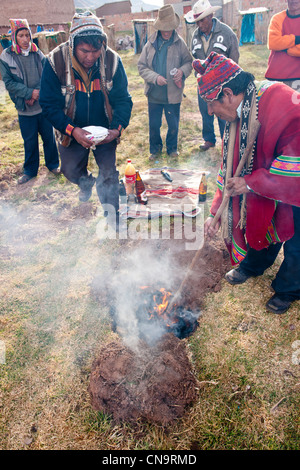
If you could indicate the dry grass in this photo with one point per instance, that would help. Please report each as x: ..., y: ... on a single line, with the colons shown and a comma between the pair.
x: 52, y: 326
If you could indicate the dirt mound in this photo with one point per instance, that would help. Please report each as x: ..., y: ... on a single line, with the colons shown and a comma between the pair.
x: 156, y: 384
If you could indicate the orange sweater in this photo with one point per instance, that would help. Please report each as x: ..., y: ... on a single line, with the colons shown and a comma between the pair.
x: 284, y: 59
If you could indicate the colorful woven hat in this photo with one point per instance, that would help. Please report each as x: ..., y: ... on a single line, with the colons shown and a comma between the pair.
x: 85, y: 24
x: 15, y: 26
x: 214, y: 73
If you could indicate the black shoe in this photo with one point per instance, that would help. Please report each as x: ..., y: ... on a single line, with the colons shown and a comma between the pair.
x: 237, y: 276
x: 55, y: 171
x: 24, y: 179
x: 279, y: 303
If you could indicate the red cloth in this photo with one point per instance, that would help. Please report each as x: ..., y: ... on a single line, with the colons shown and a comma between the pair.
x: 269, y: 206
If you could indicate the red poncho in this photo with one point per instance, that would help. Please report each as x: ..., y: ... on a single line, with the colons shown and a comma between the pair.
x: 275, y: 179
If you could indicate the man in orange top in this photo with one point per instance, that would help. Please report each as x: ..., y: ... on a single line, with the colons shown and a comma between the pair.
x: 284, y: 44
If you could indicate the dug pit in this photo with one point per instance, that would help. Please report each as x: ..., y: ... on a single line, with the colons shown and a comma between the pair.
x: 153, y: 381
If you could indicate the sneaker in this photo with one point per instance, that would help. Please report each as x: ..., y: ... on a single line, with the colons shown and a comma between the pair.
x: 237, y: 276
x: 206, y: 146
x: 174, y: 154
x: 279, y: 303
x: 24, y: 179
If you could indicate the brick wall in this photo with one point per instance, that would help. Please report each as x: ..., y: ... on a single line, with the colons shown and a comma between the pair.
x: 124, y: 22
x: 37, y: 11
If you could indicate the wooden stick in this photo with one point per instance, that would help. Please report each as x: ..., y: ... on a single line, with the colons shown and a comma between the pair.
x: 243, y: 160
x: 248, y: 149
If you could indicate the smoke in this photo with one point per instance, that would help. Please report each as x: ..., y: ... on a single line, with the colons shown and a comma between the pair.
x: 142, y: 268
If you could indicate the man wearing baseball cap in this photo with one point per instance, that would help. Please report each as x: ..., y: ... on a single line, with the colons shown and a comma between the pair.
x: 211, y: 35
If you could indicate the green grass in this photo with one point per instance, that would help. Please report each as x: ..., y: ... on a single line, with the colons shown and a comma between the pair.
x: 53, y: 324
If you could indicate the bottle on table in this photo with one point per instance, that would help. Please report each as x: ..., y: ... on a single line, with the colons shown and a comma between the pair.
x: 202, y: 188
x: 140, y: 190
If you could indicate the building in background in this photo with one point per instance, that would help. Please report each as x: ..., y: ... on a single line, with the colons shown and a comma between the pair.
x: 53, y: 15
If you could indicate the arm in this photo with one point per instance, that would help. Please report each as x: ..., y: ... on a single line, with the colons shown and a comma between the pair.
x: 53, y: 102
x: 120, y: 100
x: 13, y: 86
x: 278, y: 41
x: 186, y: 60
x: 144, y: 69
x: 234, y: 52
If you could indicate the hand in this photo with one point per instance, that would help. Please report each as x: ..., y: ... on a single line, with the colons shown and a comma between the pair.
x: 30, y: 102
x: 112, y: 135
x: 178, y: 76
x: 35, y: 95
x: 209, y: 231
x: 236, y: 186
x: 80, y: 136
x: 161, y: 81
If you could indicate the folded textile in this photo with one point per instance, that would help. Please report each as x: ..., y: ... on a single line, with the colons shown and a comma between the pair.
x: 176, y: 198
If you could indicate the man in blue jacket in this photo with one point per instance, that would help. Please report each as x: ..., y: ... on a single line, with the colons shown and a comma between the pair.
x: 84, y: 84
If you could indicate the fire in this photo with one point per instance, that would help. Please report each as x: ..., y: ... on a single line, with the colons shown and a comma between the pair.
x: 162, y: 307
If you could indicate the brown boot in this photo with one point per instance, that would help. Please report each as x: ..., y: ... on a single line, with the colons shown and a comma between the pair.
x: 206, y: 146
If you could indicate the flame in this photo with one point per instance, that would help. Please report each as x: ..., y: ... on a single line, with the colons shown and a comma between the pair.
x: 162, y: 307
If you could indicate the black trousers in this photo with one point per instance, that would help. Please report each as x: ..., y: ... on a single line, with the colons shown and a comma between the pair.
x: 74, y: 162
x: 287, y: 280
x: 31, y: 127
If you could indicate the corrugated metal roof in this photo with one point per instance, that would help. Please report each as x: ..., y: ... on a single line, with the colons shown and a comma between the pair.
x: 252, y: 11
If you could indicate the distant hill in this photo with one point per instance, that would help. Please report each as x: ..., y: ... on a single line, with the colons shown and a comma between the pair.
x: 137, y: 5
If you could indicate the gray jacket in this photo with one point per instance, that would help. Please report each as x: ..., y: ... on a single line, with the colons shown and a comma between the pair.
x: 14, y: 77
x: 178, y: 57
x: 223, y: 41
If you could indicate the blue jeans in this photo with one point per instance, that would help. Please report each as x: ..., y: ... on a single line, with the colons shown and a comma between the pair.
x: 31, y: 127
x: 172, y: 114
x: 287, y: 280
x: 208, y: 131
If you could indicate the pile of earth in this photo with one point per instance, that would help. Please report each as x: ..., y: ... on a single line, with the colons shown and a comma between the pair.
x: 154, y: 384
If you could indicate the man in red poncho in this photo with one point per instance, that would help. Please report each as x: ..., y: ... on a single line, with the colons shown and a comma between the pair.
x: 263, y: 212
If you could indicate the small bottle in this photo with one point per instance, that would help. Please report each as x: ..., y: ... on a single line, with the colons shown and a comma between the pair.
x: 166, y: 175
x: 122, y: 192
x: 172, y: 73
x: 130, y: 177
x: 202, y: 189
x: 140, y: 190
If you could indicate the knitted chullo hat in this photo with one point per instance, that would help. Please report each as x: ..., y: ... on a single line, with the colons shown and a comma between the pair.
x: 213, y: 74
x: 15, y: 26
x: 86, y: 24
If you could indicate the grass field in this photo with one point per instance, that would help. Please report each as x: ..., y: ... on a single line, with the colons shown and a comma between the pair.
x: 51, y: 326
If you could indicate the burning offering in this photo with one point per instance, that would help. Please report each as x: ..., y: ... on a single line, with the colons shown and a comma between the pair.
x: 180, y: 321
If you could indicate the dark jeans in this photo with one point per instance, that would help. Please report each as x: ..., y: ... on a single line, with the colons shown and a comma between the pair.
x: 74, y: 161
x: 208, y: 130
x: 31, y: 127
x: 172, y: 114
x: 287, y: 280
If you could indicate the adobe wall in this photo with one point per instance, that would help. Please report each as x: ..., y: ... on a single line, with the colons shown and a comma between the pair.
x: 38, y: 12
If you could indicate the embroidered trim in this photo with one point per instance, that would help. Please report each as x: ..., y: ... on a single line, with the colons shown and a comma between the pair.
x: 272, y: 235
x: 238, y: 254
x: 220, y: 180
x: 69, y: 129
x: 286, y: 166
